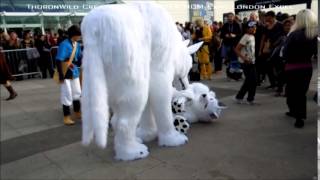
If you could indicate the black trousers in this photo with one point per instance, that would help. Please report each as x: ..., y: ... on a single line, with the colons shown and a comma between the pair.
x: 250, y: 82
x: 260, y: 69
x: 297, y: 86
x: 271, y: 73
x: 45, y: 65
x: 280, y: 76
x: 217, y: 60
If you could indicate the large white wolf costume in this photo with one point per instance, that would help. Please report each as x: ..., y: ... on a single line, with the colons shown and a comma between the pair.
x: 132, y: 52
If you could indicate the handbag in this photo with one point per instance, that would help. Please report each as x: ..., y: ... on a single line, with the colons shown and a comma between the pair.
x: 65, y: 65
x: 32, y: 53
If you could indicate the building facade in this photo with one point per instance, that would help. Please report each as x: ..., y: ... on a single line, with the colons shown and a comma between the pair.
x: 244, y: 7
x: 55, y: 14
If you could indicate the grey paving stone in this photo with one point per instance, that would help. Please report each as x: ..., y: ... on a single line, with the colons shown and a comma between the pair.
x: 105, y: 172
x: 23, y: 166
x: 166, y: 171
x: 72, y: 150
x: 74, y: 159
x: 9, y: 108
x: 27, y: 145
x: 8, y: 134
x: 32, y: 129
x: 137, y: 166
x: 4, y: 126
x: 120, y: 170
x: 47, y: 172
x: 106, y: 155
x: 50, y: 117
x: 254, y: 139
x: 247, y: 142
x: 22, y: 120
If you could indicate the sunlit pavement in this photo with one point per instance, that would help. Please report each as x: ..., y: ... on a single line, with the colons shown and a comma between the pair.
x: 248, y: 142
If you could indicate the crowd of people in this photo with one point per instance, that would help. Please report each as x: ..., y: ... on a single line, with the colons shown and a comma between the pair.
x: 34, y: 39
x: 37, y: 54
x: 265, y: 45
x: 28, y: 38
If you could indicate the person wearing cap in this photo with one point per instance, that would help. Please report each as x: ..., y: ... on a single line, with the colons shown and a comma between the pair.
x: 68, y: 62
x: 246, y: 53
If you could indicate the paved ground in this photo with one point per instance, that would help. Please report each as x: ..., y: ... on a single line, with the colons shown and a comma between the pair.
x: 248, y: 142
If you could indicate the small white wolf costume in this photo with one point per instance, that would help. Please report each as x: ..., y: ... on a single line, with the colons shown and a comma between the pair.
x: 197, y: 104
x: 132, y: 52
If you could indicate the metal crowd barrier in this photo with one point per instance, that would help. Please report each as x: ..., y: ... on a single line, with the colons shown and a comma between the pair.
x: 22, y: 62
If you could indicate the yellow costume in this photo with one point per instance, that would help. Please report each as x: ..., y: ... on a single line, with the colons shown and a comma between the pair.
x: 203, y: 54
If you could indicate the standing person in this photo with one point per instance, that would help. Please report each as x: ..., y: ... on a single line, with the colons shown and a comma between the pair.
x: 4, y: 39
x: 272, y: 32
x: 300, y: 46
x: 61, y: 36
x: 215, y: 53
x: 68, y: 61
x: 180, y: 29
x: 6, y: 77
x: 292, y: 18
x: 14, y: 41
x: 246, y: 53
x: 44, y: 60
x: 187, y: 33
x: 55, y: 39
x: 278, y: 60
x: 27, y: 41
x: 244, y: 25
x: 214, y: 27
x: 203, y: 33
x: 231, y: 33
x: 258, y: 37
x: 220, y: 24
x: 32, y: 55
x: 237, y: 19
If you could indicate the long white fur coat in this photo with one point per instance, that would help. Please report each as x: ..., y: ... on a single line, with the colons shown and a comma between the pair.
x: 132, y: 52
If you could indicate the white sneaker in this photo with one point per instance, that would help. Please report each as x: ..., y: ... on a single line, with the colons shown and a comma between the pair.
x: 238, y: 101
x: 252, y: 103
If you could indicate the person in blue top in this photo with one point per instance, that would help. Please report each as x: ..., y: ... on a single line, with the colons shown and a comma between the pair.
x: 68, y: 62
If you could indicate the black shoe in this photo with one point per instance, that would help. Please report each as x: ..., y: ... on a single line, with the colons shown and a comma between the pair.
x: 278, y: 94
x: 13, y: 93
x: 299, y: 123
x: 270, y: 87
x: 290, y: 114
x: 12, y: 96
x: 252, y: 103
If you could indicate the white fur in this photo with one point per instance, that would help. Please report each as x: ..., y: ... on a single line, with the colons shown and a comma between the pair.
x: 131, y: 54
x: 199, y: 103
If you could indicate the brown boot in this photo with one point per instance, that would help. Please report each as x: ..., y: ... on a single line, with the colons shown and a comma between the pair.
x: 66, y: 116
x: 13, y: 93
x: 77, y: 115
x: 68, y: 121
x: 77, y: 109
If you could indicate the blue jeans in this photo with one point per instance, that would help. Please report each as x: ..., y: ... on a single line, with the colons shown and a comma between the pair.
x: 228, y: 53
